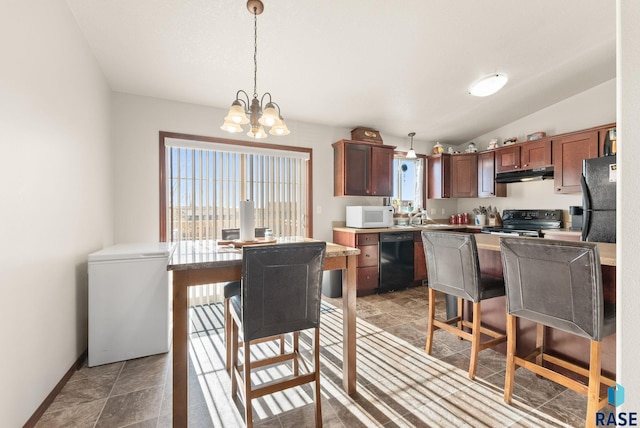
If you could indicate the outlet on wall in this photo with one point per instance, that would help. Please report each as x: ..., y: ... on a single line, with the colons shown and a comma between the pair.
x: 433, y: 211
x: 442, y: 211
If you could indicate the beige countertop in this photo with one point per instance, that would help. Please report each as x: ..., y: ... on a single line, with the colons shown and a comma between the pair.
x: 563, y: 231
x: 205, y: 254
x: 486, y: 241
x: 415, y: 228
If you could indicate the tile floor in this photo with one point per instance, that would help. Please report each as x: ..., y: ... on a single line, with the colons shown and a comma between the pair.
x: 398, y: 384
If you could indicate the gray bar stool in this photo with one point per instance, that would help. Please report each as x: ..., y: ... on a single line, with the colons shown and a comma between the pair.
x: 453, y: 268
x: 557, y: 284
x: 280, y: 293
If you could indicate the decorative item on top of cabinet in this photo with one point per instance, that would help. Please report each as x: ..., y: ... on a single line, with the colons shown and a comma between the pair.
x: 366, y: 134
x: 487, y: 186
x: 609, y: 145
x: 536, y: 135
x: 362, y: 169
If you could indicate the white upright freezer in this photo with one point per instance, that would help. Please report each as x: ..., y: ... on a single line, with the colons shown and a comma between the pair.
x: 129, y: 297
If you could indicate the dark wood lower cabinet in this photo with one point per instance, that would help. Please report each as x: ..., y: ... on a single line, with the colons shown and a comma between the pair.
x: 367, y: 271
x: 419, y: 260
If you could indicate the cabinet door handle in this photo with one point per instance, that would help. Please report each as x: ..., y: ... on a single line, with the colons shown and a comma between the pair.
x: 526, y: 164
x: 516, y: 166
x: 367, y: 255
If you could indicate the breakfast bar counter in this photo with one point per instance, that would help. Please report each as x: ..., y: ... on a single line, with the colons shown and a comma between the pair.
x: 486, y: 241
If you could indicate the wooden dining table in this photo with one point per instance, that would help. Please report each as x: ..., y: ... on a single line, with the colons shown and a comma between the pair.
x: 206, y: 262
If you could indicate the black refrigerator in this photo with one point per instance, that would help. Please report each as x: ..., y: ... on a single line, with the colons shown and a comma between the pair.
x: 599, y: 177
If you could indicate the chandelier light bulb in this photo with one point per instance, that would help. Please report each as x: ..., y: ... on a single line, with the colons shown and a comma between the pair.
x: 279, y: 128
x: 237, y: 114
x: 269, y: 115
x: 231, y: 127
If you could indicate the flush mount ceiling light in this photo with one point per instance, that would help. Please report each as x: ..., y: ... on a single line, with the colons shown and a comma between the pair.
x: 489, y: 85
x: 259, y: 114
x: 411, y: 154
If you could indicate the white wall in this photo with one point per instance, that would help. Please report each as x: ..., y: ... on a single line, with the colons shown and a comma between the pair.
x: 594, y: 107
x: 628, y: 248
x: 55, y: 188
x: 137, y: 122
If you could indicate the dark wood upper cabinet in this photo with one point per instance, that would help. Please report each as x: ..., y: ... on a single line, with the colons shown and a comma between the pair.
x: 522, y: 156
x: 508, y: 158
x: 487, y: 185
x: 464, y: 176
x: 536, y: 154
x: 362, y: 169
x: 439, y: 176
x: 382, y: 171
x: 568, y: 154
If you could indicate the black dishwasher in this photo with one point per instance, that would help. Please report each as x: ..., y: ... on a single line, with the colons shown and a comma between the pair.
x: 396, y: 260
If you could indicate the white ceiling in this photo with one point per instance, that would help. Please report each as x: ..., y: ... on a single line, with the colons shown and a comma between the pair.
x: 396, y: 66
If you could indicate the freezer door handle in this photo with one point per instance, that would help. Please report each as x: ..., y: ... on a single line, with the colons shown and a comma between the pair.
x: 586, y: 208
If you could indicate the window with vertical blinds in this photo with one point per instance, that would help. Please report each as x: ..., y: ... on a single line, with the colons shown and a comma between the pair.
x: 205, y: 181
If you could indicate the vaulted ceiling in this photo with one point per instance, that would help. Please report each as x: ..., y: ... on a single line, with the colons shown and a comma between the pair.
x: 397, y: 66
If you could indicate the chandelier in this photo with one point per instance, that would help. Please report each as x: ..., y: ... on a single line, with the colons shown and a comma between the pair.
x: 259, y: 114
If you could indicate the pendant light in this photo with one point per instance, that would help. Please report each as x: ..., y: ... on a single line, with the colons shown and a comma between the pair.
x: 411, y: 154
x: 260, y: 114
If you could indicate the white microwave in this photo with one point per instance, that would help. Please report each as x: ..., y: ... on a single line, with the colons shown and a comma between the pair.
x: 363, y: 217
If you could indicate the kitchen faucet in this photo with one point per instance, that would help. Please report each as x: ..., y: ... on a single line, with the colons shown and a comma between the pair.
x: 419, y: 211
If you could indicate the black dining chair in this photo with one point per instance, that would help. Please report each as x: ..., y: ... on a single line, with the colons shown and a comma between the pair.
x: 280, y: 293
x: 234, y: 233
x: 453, y: 268
x: 557, y: 284
x: 233, y: 288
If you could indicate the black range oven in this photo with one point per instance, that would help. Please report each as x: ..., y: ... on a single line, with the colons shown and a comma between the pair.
x: 526, y: 222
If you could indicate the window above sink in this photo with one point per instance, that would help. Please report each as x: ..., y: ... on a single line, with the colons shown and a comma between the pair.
x: 408, y: 183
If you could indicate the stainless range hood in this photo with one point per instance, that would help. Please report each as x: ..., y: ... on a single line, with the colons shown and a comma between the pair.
x: 525, y: 175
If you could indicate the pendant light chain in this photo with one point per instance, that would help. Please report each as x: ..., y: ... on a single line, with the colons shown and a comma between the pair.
x: 259, y: 113
x: 255, y: 53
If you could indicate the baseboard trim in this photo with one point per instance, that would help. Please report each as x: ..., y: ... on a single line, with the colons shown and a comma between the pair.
x: 33, y: 420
